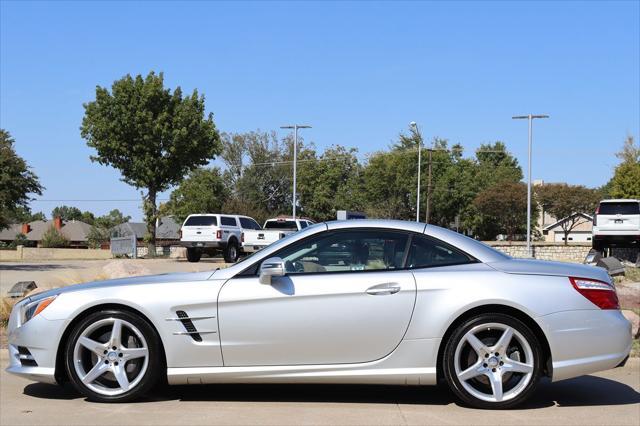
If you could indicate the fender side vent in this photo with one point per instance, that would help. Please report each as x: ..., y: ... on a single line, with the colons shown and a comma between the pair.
x: 188, y: 325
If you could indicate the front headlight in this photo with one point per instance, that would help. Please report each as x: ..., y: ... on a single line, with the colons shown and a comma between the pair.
x: 33, y: 308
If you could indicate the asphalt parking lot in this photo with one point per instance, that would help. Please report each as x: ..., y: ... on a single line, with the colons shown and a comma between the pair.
x: 611, y: 397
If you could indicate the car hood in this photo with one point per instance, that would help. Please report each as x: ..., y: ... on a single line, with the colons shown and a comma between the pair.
x: 145, y: 279
x: 542, y: 267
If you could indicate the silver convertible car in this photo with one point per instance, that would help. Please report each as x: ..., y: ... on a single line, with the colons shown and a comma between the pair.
x: 360, y: 301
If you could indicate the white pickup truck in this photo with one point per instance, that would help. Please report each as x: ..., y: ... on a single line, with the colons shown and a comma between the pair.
x: 616, y: 224
x: 214, y: 233
x: 273, y: 230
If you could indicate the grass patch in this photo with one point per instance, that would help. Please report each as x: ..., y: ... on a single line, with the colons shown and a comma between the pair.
x: 635, y: 348
x: 6, y: 304
x: 631, y: 274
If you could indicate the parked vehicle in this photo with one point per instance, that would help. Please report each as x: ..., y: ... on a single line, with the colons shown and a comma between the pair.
x: 272, y: 231
x: 213, y: 234
x: 616, y: 223
x: 359, y: 301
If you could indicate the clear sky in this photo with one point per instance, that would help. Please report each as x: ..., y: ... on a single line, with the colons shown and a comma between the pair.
x: 358, y: 72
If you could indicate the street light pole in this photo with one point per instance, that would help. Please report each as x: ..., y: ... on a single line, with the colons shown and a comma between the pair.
x: 295, y: 128
x: 415, y: 127
x: 530, y: 118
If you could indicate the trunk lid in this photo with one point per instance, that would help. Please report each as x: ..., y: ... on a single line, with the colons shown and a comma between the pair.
x: 543, y: 267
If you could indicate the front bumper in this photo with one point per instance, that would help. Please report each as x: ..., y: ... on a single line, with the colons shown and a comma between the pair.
x: 40, y: 337
x: 586, y: 341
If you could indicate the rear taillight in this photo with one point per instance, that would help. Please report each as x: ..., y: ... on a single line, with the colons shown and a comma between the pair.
x: 600, y: 293
x: 219, y: 234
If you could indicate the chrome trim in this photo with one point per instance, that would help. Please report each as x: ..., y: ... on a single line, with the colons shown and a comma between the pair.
x: 188, y: 333
x: 189, y: 318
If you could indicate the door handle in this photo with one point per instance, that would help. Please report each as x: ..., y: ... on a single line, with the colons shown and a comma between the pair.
x: 383, y: 289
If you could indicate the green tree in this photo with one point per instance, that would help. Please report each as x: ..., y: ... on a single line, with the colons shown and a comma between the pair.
x: 329, y: 183
x: 562, y: 201
x: 152, y: 136
x: 52, y: 238
x: 203, y: 191
x: 626, y: 178
x: 97, y: 236
x: 23, y: 214
x: 503, y: 209
x: 21, y: 240
x: 67, y: 213
x: 17, y: 180
x: 114, y: 218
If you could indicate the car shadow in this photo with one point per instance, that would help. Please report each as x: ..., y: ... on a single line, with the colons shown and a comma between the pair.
x: 583, y: 391
x: 31, y: 267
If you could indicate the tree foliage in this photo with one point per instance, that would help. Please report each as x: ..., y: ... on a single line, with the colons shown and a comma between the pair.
x: 17, y: 181
x: 626, y: 179
x: 563, y: 201
x: 152, y: 135
x: 203, y: 191
x: 503, y: 209
x: 52, y: 238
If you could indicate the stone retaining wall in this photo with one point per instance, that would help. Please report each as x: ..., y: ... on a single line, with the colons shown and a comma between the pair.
x: 544, y: 251
x: 39, y: 253
x: 576, y: 252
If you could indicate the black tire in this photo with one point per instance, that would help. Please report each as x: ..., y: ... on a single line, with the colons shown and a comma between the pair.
x: 449, y: 360
x: 231, y: 251
x: 154, y: 367
x: 193, y: 255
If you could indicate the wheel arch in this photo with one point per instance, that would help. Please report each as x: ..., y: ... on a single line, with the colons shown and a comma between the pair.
x: 60, y: 370
x: 497, y: 309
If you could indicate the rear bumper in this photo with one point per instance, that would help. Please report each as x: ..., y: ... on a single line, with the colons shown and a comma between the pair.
x: 204, y: 244
x: 252, y: 248
x: 587, y: 341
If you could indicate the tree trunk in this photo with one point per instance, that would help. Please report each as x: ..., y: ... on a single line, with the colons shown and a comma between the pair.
x: 151, y: 214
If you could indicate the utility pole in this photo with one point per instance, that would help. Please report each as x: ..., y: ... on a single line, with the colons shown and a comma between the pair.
x: 417, y: 132
x: 428, y: 215
x: 295, y: 128
x: 530, y: 118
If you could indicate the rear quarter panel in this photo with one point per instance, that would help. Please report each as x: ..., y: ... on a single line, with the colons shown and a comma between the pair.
x: 445, y: 293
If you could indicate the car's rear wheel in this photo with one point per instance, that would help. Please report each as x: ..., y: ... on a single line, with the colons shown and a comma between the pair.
x: 231, y: 252
x: 492, y: 361
x: 113, y: 356
x: 193, y: 255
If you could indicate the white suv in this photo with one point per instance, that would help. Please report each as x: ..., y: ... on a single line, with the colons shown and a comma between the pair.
x: 616, y: 223
x: 214, y: 233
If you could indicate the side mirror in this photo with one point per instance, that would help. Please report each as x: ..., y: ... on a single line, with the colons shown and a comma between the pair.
x: 271, y: 267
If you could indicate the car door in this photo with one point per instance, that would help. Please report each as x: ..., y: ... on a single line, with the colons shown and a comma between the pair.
x: 344, y: 299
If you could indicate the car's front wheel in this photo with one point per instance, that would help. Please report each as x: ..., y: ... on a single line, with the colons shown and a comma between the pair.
x: 113, y: 356
x: 492, y: 361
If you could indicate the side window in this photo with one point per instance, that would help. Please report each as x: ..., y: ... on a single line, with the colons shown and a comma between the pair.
x: 303, y: 224
x: 343, y: 251
x: 246, y: 223
x: 427, y: 252
x: 227, y: 221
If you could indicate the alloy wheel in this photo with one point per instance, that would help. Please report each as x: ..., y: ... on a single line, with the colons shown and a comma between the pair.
x: 111, y: 356
x: 494, y: 362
